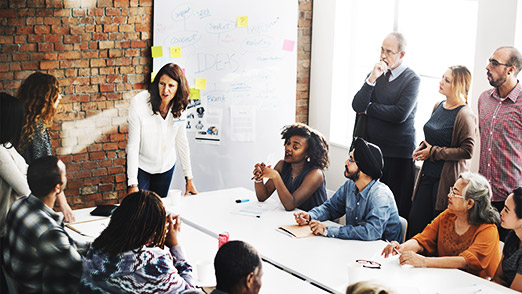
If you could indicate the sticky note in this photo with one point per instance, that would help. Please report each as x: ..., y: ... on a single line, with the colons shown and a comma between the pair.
x: 152, y: 76
x: 201, y: 84
x: 175, y: 51
x: 242, y: 21
x: 157, y: 51
x: 194, y: 93
x: 288, y: 45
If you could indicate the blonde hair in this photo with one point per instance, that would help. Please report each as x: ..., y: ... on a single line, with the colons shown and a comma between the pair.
x: 38, y: 93
x: 461, y: 82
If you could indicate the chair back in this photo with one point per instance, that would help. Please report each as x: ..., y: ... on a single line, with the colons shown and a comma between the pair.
x: 404, y: 228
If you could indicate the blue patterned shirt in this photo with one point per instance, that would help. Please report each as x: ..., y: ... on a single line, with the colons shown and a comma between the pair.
x: 370, y: 215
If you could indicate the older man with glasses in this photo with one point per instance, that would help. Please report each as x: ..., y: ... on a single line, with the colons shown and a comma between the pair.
x: 388, y: 98
x: 500, y: 124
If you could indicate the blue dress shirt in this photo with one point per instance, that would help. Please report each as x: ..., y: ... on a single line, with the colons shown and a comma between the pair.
x: 370, y: 215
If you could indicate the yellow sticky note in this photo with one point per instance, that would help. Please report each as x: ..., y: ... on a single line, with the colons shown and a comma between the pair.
x: 157, y: 51
x: 152, y: 76
x: 175, y: 51
x: 201, y: 84
x: 242, y: 21
x: 194, y: 93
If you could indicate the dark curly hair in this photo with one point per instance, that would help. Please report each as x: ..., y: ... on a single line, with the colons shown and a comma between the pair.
x: 317, y: 146
x: 38, y: 93
x: 180, y: 100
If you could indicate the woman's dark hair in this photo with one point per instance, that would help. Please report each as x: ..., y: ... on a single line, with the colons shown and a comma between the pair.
x: 38, y: 93
x: 139, y: 220
x: 317, y: 146
x: 11, y: 120
x: 180, y: 100
x: 517, y: 197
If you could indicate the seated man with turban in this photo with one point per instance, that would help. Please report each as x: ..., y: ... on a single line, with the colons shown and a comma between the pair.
x: 369, y: 205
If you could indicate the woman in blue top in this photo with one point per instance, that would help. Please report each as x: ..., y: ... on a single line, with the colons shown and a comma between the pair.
x: 450, y: 135
x: 509, y: 272
x: 298, y: 178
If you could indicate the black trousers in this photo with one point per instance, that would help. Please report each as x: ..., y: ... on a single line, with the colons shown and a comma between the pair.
x: 499, y: 205
x: 399, y: 175
x: 423, y: 206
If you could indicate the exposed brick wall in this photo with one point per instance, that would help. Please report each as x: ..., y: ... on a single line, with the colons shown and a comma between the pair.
x: 99, y: 51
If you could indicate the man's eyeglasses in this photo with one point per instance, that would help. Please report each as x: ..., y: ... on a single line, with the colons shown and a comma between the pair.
x: 494, y: 62
x: 369, y: 263
x: 452, y: 194
x: 388, y: 52
x: 352, y: 161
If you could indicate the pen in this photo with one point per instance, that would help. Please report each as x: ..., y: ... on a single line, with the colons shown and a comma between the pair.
x: 394, y: 249
x: 242, y: 200
x: 307, y: 221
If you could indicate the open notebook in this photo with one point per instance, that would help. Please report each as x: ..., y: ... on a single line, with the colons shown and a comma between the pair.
x: 296, y: 231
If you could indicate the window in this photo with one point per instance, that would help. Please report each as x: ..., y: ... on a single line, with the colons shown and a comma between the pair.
x: 439, y: 34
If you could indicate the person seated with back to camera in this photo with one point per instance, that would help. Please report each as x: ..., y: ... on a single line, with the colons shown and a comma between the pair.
x: 371, y: 212
x: 298, y: 178
x: 129, y: 255
x: 238, y: 268
x: 509, y: 272
x: 463, y: 236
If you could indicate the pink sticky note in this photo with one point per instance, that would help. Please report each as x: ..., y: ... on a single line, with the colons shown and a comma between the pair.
x: 288, y: 45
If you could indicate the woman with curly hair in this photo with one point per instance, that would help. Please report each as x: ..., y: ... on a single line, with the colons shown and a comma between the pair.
x: 298, y: 178
x: 157, y: 132
x: 40, y: 95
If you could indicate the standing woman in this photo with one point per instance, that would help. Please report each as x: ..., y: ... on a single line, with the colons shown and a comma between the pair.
x: 40, y: 95
x: 298, y: 178
x: 13, y: 169
x: 157, y: 132
x: 509, y: 272
x: 450, y: 135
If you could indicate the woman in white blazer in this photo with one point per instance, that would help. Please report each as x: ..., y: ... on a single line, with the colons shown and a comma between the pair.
x: 157, y: 134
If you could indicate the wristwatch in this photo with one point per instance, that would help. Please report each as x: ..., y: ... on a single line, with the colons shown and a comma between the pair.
x: 325, y: 232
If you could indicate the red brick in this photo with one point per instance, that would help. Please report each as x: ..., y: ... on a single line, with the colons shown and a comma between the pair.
x: 60, y: 30
x: 70, y: 55
x: 121, y: 3
x: 77, y: 30
x: 71, y: 39
x: 24, y: 30
x: 78, y: 12
x: 106, y: 44
x: 138, y: 44
x: 119, y: 19
x: 65, y: 64
x: 99, y: 36
x: 62, y: 47
x: 28, y: 47
x: 105, y: 187
x: 4, y: 67
x: 30, y: 65
x: 18, y: 57
x: 49, y: 64
x: 42, y: 47
x: 142, y: 27
x: 7, y: 13
x: 99, y: 172
x: 6, y: 39
x: 110, y: 28
x: 35, y: 38
x: 126, y: 28
x: 98, y: 62
x: 53, y: 38
x: 120, y: 178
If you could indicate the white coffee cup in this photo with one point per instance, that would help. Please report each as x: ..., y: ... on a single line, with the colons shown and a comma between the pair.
x: 205, y: 271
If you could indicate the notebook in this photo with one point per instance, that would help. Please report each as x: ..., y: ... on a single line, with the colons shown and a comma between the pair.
x: 296, y: 231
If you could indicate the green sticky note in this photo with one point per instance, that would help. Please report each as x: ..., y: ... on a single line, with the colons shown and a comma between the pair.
x: 242, y: 21
x: 194, y: 93
x: 152, y: 76
x: 175, y: 51
x: 201, y: 84
x: 157, y: 51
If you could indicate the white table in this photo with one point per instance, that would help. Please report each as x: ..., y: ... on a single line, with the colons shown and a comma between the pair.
x: 199, y: 248
x: 320, y: 260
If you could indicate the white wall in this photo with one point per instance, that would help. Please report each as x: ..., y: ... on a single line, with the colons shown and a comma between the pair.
x: 497, y: 26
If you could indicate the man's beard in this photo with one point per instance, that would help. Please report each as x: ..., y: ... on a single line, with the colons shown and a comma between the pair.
x: 354, y: 176
x: 496, y: 83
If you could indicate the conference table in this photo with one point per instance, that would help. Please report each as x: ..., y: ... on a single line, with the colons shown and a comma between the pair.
x: 326, y: 263
x: 200, y: 249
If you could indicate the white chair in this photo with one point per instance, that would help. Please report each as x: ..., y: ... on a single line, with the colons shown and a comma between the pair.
x: 404, y: 228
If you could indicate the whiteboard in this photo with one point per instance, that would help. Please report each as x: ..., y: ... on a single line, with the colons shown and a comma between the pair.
x: 245, y: 68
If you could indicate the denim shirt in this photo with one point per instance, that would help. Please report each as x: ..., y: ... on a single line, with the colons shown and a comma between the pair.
x: 370, y: 215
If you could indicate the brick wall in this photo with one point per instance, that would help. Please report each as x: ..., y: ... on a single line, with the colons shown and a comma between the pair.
x: 99, y: 51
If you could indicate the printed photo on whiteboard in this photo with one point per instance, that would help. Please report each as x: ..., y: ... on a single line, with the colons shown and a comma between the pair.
x: 208, y: 127
x: 242, y: 123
